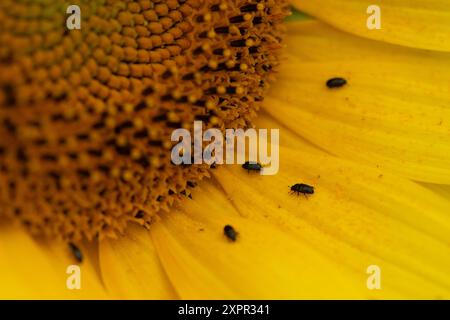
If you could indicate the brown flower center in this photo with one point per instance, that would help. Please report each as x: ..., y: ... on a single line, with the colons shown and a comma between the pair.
x: 86, y: 115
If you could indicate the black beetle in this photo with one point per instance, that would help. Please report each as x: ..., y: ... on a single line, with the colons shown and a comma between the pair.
x: 76, y: 252
x: 302, y: 188
x: 252, y: 166
x: 230, y: 232
x: 336, y: 83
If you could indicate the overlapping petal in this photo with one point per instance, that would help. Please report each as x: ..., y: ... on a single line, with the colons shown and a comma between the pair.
x: 264, y: 262
x: 34, y: 269
x: 413, y: 23
x: 359, y: 216
x: 394, y: 113
x: 131, y: 268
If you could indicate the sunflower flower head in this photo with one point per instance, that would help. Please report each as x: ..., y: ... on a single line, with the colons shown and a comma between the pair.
x: 357, y: 210
x: 87, y: 114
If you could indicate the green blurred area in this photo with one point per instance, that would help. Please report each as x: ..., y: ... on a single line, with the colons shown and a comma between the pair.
x: 297, y: 16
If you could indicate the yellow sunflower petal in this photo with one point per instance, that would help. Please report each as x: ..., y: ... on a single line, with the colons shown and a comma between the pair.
x: 131, y: 268
x: 413, y: 23
x: 31, y: 270
x: 61, y: 257
x: 358, y: 217
x: 264, y: 262
x: 394, y: 112
x: 191, y: 279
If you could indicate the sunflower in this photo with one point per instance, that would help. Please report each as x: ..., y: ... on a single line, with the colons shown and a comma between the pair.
x: 376, y: 150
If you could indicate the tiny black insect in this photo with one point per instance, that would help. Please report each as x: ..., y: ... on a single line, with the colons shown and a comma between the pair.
x: 336, y: 83
x: 76, y: 252
x: 252, y: 166
x: 302, y: 188
x: 230, y: 233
